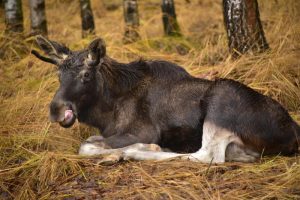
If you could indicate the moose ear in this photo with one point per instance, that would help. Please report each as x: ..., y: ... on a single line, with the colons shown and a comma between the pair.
x: 56, y: 52
x: 97, y: 50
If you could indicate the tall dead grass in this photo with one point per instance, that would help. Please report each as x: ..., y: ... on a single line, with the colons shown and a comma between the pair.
x: 38, y: 159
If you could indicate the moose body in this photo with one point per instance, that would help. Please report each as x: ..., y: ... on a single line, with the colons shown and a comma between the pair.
x: 158, y: 102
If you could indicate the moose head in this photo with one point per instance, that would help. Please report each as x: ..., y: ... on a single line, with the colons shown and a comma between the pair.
x: 78, y: 77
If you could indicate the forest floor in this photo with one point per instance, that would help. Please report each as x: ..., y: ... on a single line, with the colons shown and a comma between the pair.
x: 38, y: 159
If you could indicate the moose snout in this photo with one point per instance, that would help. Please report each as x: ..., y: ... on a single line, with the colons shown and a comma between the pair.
x: 57, y: 110
x: 62, y: 112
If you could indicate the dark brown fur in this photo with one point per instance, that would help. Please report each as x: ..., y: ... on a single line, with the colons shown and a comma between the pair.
x: 159, y: 102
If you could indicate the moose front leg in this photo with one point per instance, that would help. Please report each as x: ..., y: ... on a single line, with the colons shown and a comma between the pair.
x: 138, y: 151
x: 96, y: 145
x: 140, y: 132
x: 116, y: 147
x: 115, y: 155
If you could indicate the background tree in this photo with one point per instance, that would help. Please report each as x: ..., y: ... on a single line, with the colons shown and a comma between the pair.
x: 13, y: 15
x: 2, y: 10
x: 170, y: 23
x: 38, y: 17
x: 243, y: 26
x: 87, y: 19
x: 131, y: 16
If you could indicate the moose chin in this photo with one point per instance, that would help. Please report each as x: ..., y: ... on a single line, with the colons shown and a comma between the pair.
x: 157, y: 102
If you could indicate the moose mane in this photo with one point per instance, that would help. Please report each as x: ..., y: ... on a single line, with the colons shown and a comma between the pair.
x: 121, y: 78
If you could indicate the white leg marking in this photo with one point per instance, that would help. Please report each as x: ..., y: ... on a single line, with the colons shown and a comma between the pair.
x: 214, y: 143
x: 136, y: 151
x: 134, y: 154
x: 94, y: 138
x: 90, y: 149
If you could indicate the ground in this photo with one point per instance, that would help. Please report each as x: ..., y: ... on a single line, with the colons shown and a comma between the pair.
x: 38, y: 159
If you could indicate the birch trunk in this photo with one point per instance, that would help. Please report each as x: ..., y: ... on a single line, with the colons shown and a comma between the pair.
x: 13, y: 15
x: 131, y: 17
x: 38, y: 17
x: 244, y: 29
x: 171, y: 27
x: 87, y: 19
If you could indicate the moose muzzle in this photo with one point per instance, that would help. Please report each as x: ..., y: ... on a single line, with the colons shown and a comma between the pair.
x: 63, y: 113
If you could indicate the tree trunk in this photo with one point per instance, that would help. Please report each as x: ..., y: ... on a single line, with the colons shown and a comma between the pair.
x: 87, y: 19
x: 131, y: 16
x: 13, y: 15
x: 38, y: 17
x: 171, y: 27
x: 2, y: 10
x: 244, y: 28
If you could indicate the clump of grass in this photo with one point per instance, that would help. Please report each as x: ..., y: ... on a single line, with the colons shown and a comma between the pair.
x: 13, y: 46
x: 38, y: 159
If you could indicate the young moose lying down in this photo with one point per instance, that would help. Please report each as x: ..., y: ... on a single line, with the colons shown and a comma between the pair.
x: 158, y: 102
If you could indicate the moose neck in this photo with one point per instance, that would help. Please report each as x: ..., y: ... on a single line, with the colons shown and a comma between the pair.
x: 117, y: 80
x: 120, y: 78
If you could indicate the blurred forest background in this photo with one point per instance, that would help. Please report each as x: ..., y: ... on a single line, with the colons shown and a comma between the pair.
x: 38, y: 159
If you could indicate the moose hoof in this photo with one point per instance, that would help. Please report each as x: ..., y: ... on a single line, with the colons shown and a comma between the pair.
x: 110, y: 159
x: 202, y: 157
x: 154, y: 147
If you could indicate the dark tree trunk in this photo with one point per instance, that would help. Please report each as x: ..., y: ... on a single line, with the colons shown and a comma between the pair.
x: 87, y: 19
x: 131, y: 16
x: 171, y: 26
x: 38, y: 17
x: 2, y: 10
x: 13, y: 15
x: 243, y: 26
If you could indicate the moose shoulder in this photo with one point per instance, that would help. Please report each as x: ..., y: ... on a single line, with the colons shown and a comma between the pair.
x: 159, y: 102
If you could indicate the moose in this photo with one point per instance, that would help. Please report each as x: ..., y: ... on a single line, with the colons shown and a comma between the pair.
x: 152, y: 102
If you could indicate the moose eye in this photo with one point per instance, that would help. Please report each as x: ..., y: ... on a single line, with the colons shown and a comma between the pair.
x: 85, y: 76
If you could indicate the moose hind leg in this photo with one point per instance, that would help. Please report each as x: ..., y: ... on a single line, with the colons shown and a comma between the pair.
x: 215, y: 140
x: 240, y: 153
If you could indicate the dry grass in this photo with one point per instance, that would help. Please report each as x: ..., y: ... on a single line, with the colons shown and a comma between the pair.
x: 38, y: 159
